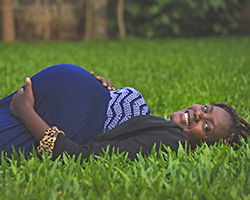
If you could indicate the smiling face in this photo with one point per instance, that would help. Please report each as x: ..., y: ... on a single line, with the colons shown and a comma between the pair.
x: 203, y: 123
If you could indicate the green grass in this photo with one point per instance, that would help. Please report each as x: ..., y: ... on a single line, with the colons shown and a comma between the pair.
x: 171, y: 75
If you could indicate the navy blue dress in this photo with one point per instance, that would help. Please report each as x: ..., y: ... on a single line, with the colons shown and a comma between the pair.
x: 66, y: 96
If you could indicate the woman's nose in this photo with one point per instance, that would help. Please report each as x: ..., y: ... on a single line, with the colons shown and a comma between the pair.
x: 198, y: 115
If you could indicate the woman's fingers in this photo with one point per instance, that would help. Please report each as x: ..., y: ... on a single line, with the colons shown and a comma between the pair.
x: 98, y: 78
x: 106, y: 83
x: 28, y: 85
x: 29, y: 92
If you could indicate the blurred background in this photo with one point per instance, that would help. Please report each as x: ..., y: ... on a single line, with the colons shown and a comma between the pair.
x: 29, y: 20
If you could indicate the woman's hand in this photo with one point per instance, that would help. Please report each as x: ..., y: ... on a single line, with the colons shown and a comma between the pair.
x: 23, y: 100
x: 106, y: 83
x: 22, y: 107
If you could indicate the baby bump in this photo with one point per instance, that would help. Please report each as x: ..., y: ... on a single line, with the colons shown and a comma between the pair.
x: 69, y: 97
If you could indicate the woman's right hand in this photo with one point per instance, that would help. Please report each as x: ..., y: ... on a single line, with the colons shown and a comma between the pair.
x: 23, y: 100
x: 105, y: 83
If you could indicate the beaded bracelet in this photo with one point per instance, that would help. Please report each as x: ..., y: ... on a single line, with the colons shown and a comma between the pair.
x: 47, y: 143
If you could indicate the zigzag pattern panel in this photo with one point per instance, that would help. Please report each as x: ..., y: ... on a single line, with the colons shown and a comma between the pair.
x: 123, y: 105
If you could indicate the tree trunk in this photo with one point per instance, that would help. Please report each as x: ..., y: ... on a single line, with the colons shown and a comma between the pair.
x: 89, y: 20
x: 120, y: 16
x: 100, y: 21
x: 47, y: 19
x: 8, y: 25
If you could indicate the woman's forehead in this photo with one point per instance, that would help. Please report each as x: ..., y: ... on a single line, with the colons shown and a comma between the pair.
x: 222, y: 120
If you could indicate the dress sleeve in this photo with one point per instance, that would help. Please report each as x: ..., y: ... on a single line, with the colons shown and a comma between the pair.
x: 133, y: 144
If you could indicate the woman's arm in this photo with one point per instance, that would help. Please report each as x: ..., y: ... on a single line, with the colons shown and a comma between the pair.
x: 138, y: 134
x: 22, y: 107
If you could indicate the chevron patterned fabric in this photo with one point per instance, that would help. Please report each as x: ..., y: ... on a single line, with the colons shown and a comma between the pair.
x: 124, y: 104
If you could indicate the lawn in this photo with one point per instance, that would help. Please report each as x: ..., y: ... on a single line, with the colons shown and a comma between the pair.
x: 171, y: 74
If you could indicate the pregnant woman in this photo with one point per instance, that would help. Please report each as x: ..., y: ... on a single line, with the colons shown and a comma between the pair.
x: 66, y: 99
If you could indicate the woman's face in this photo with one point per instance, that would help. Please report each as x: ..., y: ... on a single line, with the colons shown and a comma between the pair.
x: 203, y: 123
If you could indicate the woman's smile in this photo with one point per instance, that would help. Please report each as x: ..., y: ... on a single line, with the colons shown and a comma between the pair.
x: 186, y: 115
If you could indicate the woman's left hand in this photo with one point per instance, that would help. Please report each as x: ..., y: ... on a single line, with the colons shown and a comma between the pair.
x: 23, y: 100
x: 105, y: 83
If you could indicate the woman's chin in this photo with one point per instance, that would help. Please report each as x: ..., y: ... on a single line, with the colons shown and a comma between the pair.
x: 178, y: 118
x: 174, y: 118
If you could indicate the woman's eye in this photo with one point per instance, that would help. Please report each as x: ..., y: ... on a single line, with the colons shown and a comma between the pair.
x: 207, y: 127
x: 205, y: 109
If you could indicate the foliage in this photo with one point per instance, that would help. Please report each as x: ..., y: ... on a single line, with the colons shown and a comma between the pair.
x: 161, y: 18
x: 171, y: 75
x: 210, y: 173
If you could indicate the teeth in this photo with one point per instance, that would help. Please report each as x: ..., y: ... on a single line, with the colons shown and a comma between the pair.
x: 186, y: 118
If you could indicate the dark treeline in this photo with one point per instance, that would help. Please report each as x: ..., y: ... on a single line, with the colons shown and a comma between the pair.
x: 102, y: 19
